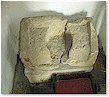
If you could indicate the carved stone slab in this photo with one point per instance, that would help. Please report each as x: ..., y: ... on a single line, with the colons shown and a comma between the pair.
x: 51, y: 44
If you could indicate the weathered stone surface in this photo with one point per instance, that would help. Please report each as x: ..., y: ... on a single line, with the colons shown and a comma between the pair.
x: 50, y: 44
x: 42, y: 42
x: 84, y: 48
x: 56, y: 41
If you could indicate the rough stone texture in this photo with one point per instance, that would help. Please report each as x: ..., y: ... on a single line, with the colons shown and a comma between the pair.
x: 50, y: 44
x: 84, y: 48
x: 56, y: 41
x: 42, y: 42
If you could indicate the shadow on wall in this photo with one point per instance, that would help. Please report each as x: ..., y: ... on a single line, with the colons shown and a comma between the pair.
x: 99, y: 17
x: 70, y: 18
x: 11, y: 54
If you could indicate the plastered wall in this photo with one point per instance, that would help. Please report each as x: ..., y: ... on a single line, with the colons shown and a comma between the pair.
x: 13, y: 12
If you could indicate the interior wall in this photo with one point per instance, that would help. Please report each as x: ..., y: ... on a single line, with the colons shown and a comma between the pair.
x: 8, y: 55
x: 99, y: 16
x: 12, y: 13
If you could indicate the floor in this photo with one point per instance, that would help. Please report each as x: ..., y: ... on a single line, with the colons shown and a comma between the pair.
x: 21, y: 84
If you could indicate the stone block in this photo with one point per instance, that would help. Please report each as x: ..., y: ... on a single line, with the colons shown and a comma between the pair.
x: 51, y: 44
